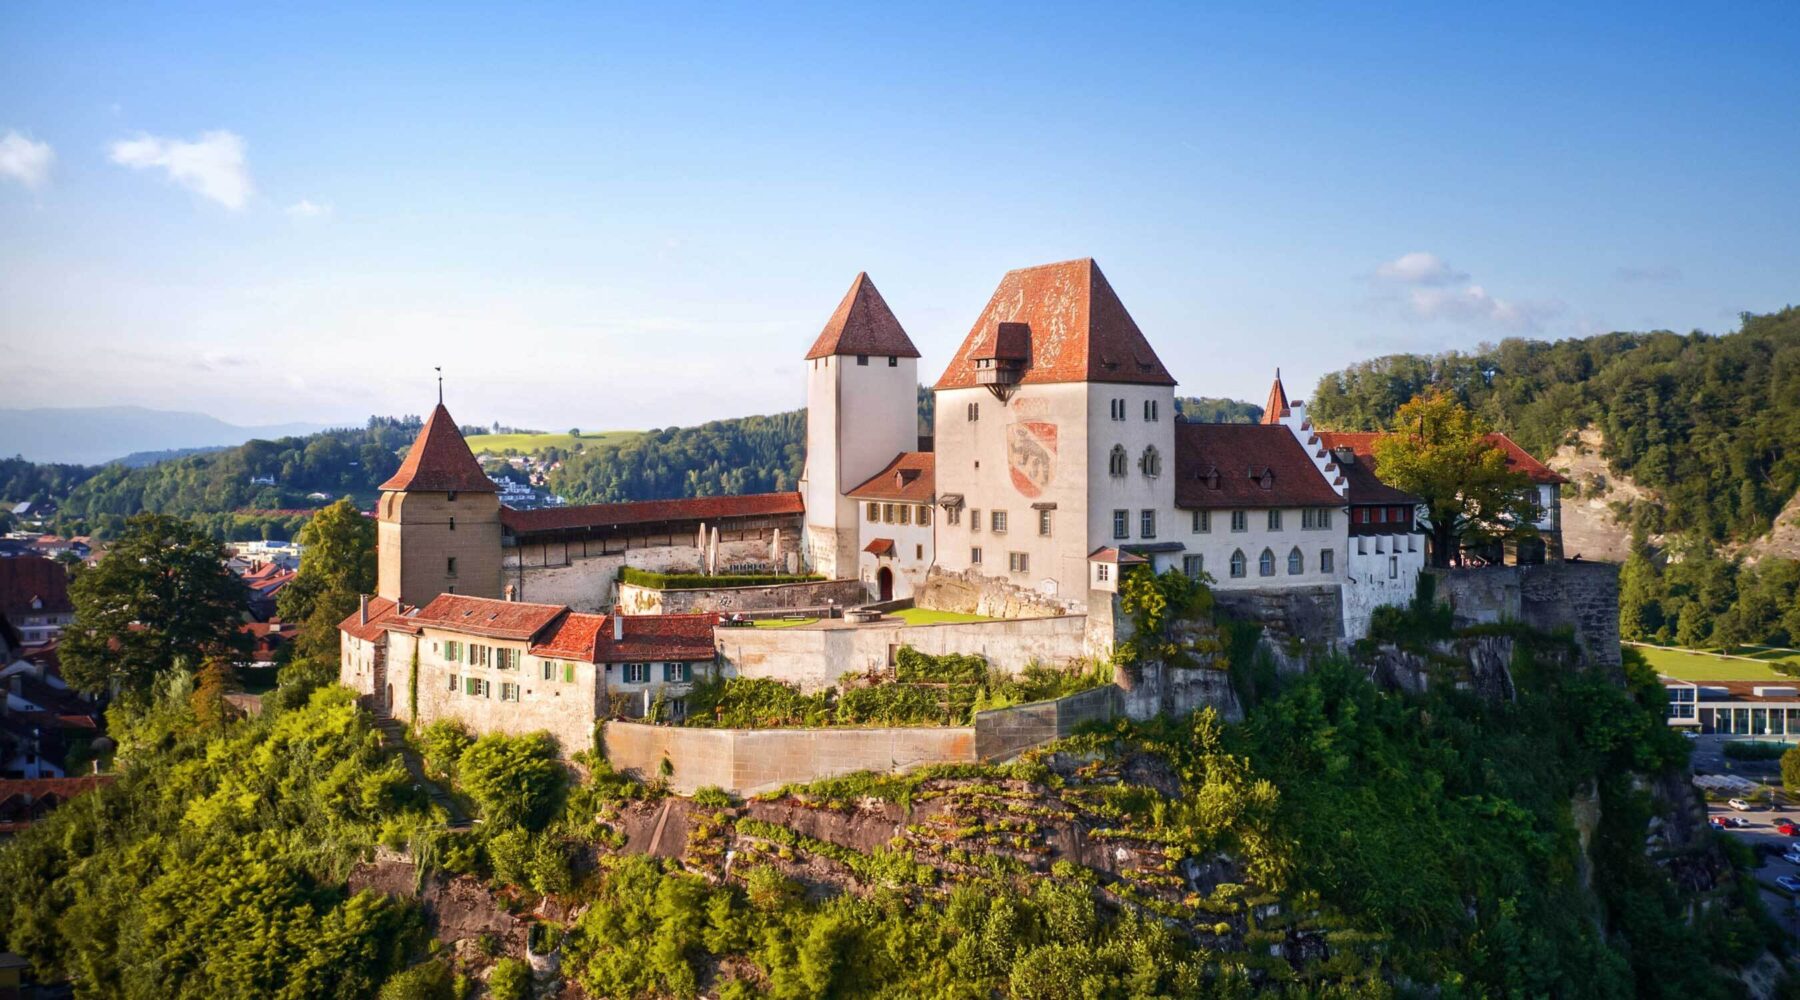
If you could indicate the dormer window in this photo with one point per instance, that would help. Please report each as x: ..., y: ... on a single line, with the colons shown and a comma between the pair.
x: 1267, y: 480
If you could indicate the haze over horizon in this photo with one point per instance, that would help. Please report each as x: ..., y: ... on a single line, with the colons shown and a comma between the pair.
x: 292, y: 216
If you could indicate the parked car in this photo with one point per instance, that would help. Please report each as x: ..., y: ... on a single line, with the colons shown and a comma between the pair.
x: 1789, y: 882
x: 1716, y: 822
x: 1737, y: 821
x: 1690, y: 734
x: 1739, y: 804
x: 1791, y: 858
x: 1787, y: 827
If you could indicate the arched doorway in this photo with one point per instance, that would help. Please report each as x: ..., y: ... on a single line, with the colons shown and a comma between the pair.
x: 390, y: 699
x: 884, y: 582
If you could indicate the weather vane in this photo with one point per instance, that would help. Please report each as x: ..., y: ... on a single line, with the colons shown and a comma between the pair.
x: 440, y: 370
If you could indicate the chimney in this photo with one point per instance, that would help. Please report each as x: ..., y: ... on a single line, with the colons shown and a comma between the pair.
x: 618, y: 624
x: 362, y: 609
x: 1344, y: 455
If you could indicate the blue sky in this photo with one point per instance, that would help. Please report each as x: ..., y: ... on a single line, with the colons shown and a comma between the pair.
x: 641, y: 216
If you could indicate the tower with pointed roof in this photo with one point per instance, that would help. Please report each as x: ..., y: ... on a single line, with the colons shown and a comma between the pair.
x: 862, y: 377
x: 1054, y: 435
x: 438, y: 521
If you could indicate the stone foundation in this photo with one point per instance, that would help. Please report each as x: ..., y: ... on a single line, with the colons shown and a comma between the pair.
x: 752, y: 761
x: 640, y: 600
x: 972, y: 592
x: 1314, y: 615
x: 1583, y: 597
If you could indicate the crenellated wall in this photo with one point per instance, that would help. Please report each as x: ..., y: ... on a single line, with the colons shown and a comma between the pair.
x: 640, y: 600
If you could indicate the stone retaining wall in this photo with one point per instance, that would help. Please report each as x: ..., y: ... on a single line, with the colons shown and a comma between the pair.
x: 641, y: 600
x: 1582, y: 596
x: 815, y: 658
x: 752, y: 761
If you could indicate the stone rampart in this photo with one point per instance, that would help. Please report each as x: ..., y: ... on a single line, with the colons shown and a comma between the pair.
x: 641, y: 600
x: 1580, y: 596
x: 815, y: 656
x: 972, y: 592
x: 752, y: 761
x: 1314, y: 614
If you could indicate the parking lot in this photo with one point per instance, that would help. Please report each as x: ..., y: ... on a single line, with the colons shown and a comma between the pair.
x: 1761, y: 819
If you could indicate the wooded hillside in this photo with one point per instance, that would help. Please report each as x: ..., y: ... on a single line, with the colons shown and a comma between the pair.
x: 1709, y: 423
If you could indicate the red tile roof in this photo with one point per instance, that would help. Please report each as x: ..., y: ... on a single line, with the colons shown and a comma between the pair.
x: 879, y: 547
x: 1077, y: 330
x: 613, y: 515
x: 863, y: 324
x: 27, y: 578
x: 485, y: 616
x: 1224, y: 465
x: 1108, y: 554
x: 1517, y: 458
x: 1277, y: 406
x: 382, y: 613
x: 660, y: 637
x: 574, y: 636
x: 62, y: 788
x: 586, y: 637
x: 911, y: 477
x: 440, y: 461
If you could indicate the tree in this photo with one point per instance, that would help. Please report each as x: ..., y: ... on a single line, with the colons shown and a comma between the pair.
x: 1438, y: 451
x: 217, y: 679
x: 1790, y: 770
x: 514, y: 780
x: 161, y: 596
x: 574, y: 432
x: 339, y: 547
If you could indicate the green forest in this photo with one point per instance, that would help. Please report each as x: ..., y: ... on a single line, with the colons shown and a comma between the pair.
x: 1382, y: 839
x: 1709, y: 423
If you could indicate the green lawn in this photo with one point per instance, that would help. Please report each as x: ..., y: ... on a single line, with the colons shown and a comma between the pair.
x: 526, y: 444
x: 782, y: 622
x: 1689, y: 665
x: 924, y: 616
x: 1771, y: 653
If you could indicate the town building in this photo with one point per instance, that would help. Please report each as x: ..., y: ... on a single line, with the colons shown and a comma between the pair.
x: 34, y: 596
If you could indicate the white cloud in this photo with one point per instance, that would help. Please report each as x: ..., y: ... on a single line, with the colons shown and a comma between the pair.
x: 1420, y: 268
x: 212, y: 165
x: 25, y: 161
x: 1426, y: 287
x: 306, y: 208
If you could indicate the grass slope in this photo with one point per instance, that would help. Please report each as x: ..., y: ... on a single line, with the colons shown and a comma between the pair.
x: 1694, y: 665
x: 526, y: 444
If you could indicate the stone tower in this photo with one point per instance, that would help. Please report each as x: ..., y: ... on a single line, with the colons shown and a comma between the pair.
x: 862, y: 410
x: 438, y: 521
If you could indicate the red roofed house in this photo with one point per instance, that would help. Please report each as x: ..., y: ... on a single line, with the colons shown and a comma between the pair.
x: 509, y: 666
x: 34, y: 596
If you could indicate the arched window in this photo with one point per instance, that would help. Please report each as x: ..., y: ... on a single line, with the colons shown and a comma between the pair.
x: 1296, y: 563
x: 1237, y: 564
x: 1116, y: 465
x: 1265, y: 566
x: 1151, y: 462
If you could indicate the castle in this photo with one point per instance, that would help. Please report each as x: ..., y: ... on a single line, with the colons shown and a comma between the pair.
x: 1057, y: 462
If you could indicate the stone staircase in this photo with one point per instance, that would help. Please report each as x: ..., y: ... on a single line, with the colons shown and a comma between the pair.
x: 393, y: 740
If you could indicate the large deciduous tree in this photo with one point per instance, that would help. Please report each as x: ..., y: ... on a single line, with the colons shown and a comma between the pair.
x: 337, y: 566
x: 1438, y: 451
x: 161, y: 596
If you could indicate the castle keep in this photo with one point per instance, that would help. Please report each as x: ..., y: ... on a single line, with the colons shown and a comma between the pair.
x: 1057, y: 462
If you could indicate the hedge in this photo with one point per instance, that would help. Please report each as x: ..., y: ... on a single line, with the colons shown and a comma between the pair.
x: 700, y: 581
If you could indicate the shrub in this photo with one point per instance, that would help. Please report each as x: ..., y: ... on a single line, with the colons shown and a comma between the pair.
x: 1790, y: 769
x: 514, y: 780
x: 754, y: 702
x: 510, y: 980
x: 713, y: 797
x: 442, y: 745
x: 425, y: 981
x: 1756, y: 750
x: 914, y: 667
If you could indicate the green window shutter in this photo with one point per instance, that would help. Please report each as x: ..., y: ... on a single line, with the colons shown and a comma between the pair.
x: 569, y: 673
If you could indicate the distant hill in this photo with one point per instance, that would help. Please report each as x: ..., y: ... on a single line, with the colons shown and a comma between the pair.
x: 139, y: 459
x: 95, y: 435
x: 1216, y: 410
